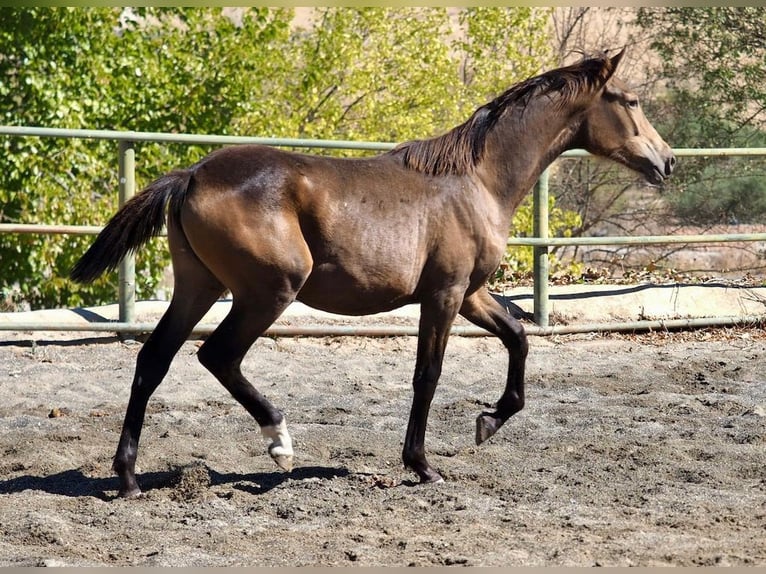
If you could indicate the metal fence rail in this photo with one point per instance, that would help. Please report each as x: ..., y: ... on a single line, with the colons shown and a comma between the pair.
x: 541, y: 241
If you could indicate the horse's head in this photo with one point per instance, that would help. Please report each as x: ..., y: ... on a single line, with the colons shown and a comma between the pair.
x: 615, y: 127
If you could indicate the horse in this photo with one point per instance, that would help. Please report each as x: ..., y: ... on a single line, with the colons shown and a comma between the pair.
x: 425, y: 222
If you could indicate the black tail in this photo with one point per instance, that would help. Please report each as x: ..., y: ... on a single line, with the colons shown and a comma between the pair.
x: 132, y: 226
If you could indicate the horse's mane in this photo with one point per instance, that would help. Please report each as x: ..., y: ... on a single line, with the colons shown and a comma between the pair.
x: 458, y: 151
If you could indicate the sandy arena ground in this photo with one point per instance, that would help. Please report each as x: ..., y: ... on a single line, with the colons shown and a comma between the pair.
x: 632, y: 450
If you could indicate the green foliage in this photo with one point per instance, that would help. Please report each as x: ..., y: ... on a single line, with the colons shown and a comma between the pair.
x: 723, y: 190
x: 70, y: 68
x: 500, y: 44
x: 363, y: 74
x: 714, y: 59
x: 394, y: 74
x: 735, y: 200
x: 385, y: 74
x: 714, y: 62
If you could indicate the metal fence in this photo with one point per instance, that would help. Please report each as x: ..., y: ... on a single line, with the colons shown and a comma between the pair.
x: 541, y: 241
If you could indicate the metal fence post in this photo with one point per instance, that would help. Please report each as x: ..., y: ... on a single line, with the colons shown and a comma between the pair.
x: 540, y: 254
x: 127, y: 270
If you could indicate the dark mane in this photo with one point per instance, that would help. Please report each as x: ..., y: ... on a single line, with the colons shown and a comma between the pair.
x: 459, y: 150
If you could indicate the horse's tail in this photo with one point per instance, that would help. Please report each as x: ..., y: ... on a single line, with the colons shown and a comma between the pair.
x: 133, y: 225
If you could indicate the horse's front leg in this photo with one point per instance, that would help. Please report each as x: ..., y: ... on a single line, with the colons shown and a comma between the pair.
x: 436, y: 319
x: 483, y: 310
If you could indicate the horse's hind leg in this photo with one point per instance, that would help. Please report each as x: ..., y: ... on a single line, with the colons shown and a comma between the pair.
x: 222, y: 355
x: 193, y: 295
x: 483, y: 310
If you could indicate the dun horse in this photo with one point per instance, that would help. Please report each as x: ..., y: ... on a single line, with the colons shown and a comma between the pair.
x: 423, y: 223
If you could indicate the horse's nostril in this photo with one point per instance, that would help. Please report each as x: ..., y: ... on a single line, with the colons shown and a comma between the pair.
x: 670, y: 164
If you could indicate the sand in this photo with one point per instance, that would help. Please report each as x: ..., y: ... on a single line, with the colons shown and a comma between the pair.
x: 632, y: 450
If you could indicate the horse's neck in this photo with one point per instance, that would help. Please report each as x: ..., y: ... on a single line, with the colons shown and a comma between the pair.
x: 521, y: 146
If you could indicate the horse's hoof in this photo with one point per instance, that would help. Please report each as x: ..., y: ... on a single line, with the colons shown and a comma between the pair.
x: 284, y: 461
x: 432, y: 480
x: 281, y: 449
x: 486, y: 426
x: 130, y: 493
x: 430, y: 476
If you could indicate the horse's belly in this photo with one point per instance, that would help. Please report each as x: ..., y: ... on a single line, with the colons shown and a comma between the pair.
x: 336, y: 290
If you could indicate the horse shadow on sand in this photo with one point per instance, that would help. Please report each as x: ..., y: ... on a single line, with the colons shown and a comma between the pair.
x: 74, y: 483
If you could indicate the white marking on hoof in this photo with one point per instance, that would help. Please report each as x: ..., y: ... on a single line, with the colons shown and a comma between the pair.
x: 281, y: 447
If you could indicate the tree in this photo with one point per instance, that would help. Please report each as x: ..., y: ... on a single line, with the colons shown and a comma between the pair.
x: 151, y: 70
x: 363, y: 74
x: 394, y: 74
x: 713, y: 61
x: 500, y: 46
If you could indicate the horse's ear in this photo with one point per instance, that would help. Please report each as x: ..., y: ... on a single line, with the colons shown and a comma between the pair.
x: 616, y: 59
x: 609, y: 66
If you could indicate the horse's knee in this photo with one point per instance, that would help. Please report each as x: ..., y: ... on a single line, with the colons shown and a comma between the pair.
x: 523, y: 343
x: 206, y: 357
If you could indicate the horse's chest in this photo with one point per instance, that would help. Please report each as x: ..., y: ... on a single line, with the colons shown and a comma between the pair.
x: 485, y: 241
x: 489, y: 255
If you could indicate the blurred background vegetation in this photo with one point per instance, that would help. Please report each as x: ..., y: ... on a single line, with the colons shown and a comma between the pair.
x: 372, y: 74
